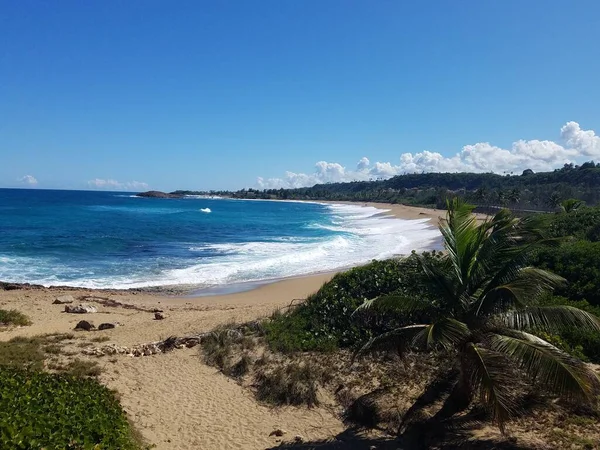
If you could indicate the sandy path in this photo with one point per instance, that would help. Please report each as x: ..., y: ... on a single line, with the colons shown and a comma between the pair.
x: 178, y: 402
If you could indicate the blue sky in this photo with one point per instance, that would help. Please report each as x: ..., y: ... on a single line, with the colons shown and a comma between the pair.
x: 211, y: 95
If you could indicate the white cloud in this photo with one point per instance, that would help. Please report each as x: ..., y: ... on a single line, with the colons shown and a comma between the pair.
x: 363, y: 164
x: 29, y: 180
x: 578, y: 146
x: 114, y: 185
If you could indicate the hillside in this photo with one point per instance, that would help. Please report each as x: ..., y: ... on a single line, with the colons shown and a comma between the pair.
x: 529, y: 190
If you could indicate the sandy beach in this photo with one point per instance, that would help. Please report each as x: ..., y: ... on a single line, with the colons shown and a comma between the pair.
x: 174, y: 399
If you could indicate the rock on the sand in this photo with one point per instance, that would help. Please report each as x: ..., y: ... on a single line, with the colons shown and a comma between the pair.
x: 158, y: 316
x: 84, y: 325
x: 80, y: 309
x: 277, y: 432
x: 107, y: 326
x: 63, y: 300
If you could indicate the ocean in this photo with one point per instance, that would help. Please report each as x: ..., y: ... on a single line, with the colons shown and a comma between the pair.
x: 116, y: 240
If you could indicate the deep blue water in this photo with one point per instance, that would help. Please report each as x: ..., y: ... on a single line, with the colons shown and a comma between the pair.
x: 116, y: 240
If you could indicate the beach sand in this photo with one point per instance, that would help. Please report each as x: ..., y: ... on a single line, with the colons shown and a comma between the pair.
x: 175, y: 400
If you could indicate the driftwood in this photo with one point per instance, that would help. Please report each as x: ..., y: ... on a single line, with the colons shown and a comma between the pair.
x: 151, y: 348
x: 170, y: 343
x: 110, y: 303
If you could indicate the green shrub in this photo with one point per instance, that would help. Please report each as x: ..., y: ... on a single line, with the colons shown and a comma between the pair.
x: 566, y: 345
x: 13, y: 317
x: 42, y: 410
x: 583, y: 344
x: 325, y: 320
x: 579, y: 224
x: 588, y: 342
x: 579, y: 263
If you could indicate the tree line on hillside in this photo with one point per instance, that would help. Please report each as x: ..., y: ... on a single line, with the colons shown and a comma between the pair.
x: 543, y: 191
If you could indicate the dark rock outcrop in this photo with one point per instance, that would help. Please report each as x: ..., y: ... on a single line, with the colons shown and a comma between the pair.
x: 107, y: 326
x: 84, y: 325
x: 158, y: 194
x: 16, y: 286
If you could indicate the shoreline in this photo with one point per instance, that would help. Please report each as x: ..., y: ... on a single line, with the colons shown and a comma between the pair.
x: 189, y: 292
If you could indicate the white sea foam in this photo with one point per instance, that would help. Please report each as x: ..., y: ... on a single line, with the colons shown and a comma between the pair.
x: 205, y: 210
x: 362, y: 234
x: 205, y: 197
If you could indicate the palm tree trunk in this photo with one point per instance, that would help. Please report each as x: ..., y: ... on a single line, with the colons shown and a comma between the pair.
x: 459, y: 399
x: 433, y: 392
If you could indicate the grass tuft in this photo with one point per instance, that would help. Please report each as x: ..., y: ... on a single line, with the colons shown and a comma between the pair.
x: 13, y: 317
x: 291, y: 384
x: 218, y: 348
x: 83, y: 368
x: 242, y: 367
x: 22, y: 353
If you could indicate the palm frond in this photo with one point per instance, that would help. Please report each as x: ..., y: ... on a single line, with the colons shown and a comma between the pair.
x: 439, y: 277
x: 399, y: 339
x: 489, y: 376
x: 549, y: 318
x: 462, y: 239
x: 447, y: 333
x: 546, y: 364
x: 524, y: 285
x: 394, y: 302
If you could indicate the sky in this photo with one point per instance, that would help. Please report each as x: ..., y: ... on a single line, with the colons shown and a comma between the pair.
x: 144, y: 94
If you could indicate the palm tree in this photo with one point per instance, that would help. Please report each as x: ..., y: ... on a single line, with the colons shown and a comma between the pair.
x: 485, y: 314
x: 481, y: 194
x: 571, y: 205
x: 554, y: 200
x: 502, y: 197
x: 514, y: 196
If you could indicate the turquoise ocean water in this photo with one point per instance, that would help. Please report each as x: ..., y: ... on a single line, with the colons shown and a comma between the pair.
x: 116, y: 240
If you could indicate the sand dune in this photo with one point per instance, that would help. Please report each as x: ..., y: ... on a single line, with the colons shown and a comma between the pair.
x: 174, y: 399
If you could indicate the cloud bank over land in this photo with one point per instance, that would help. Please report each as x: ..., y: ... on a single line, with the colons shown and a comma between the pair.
x: 114, y: 185
x: 29, y: 180
x: 576, y: 146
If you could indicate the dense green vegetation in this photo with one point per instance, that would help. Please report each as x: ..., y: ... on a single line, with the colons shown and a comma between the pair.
x: 481, y: 300
x: 65, y: 410
x: 579, y: 262
x: 487, y: 316
x: 42, y: 410
x: 529, y: 190
x: 325, y: 320
x: 577, y: 259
